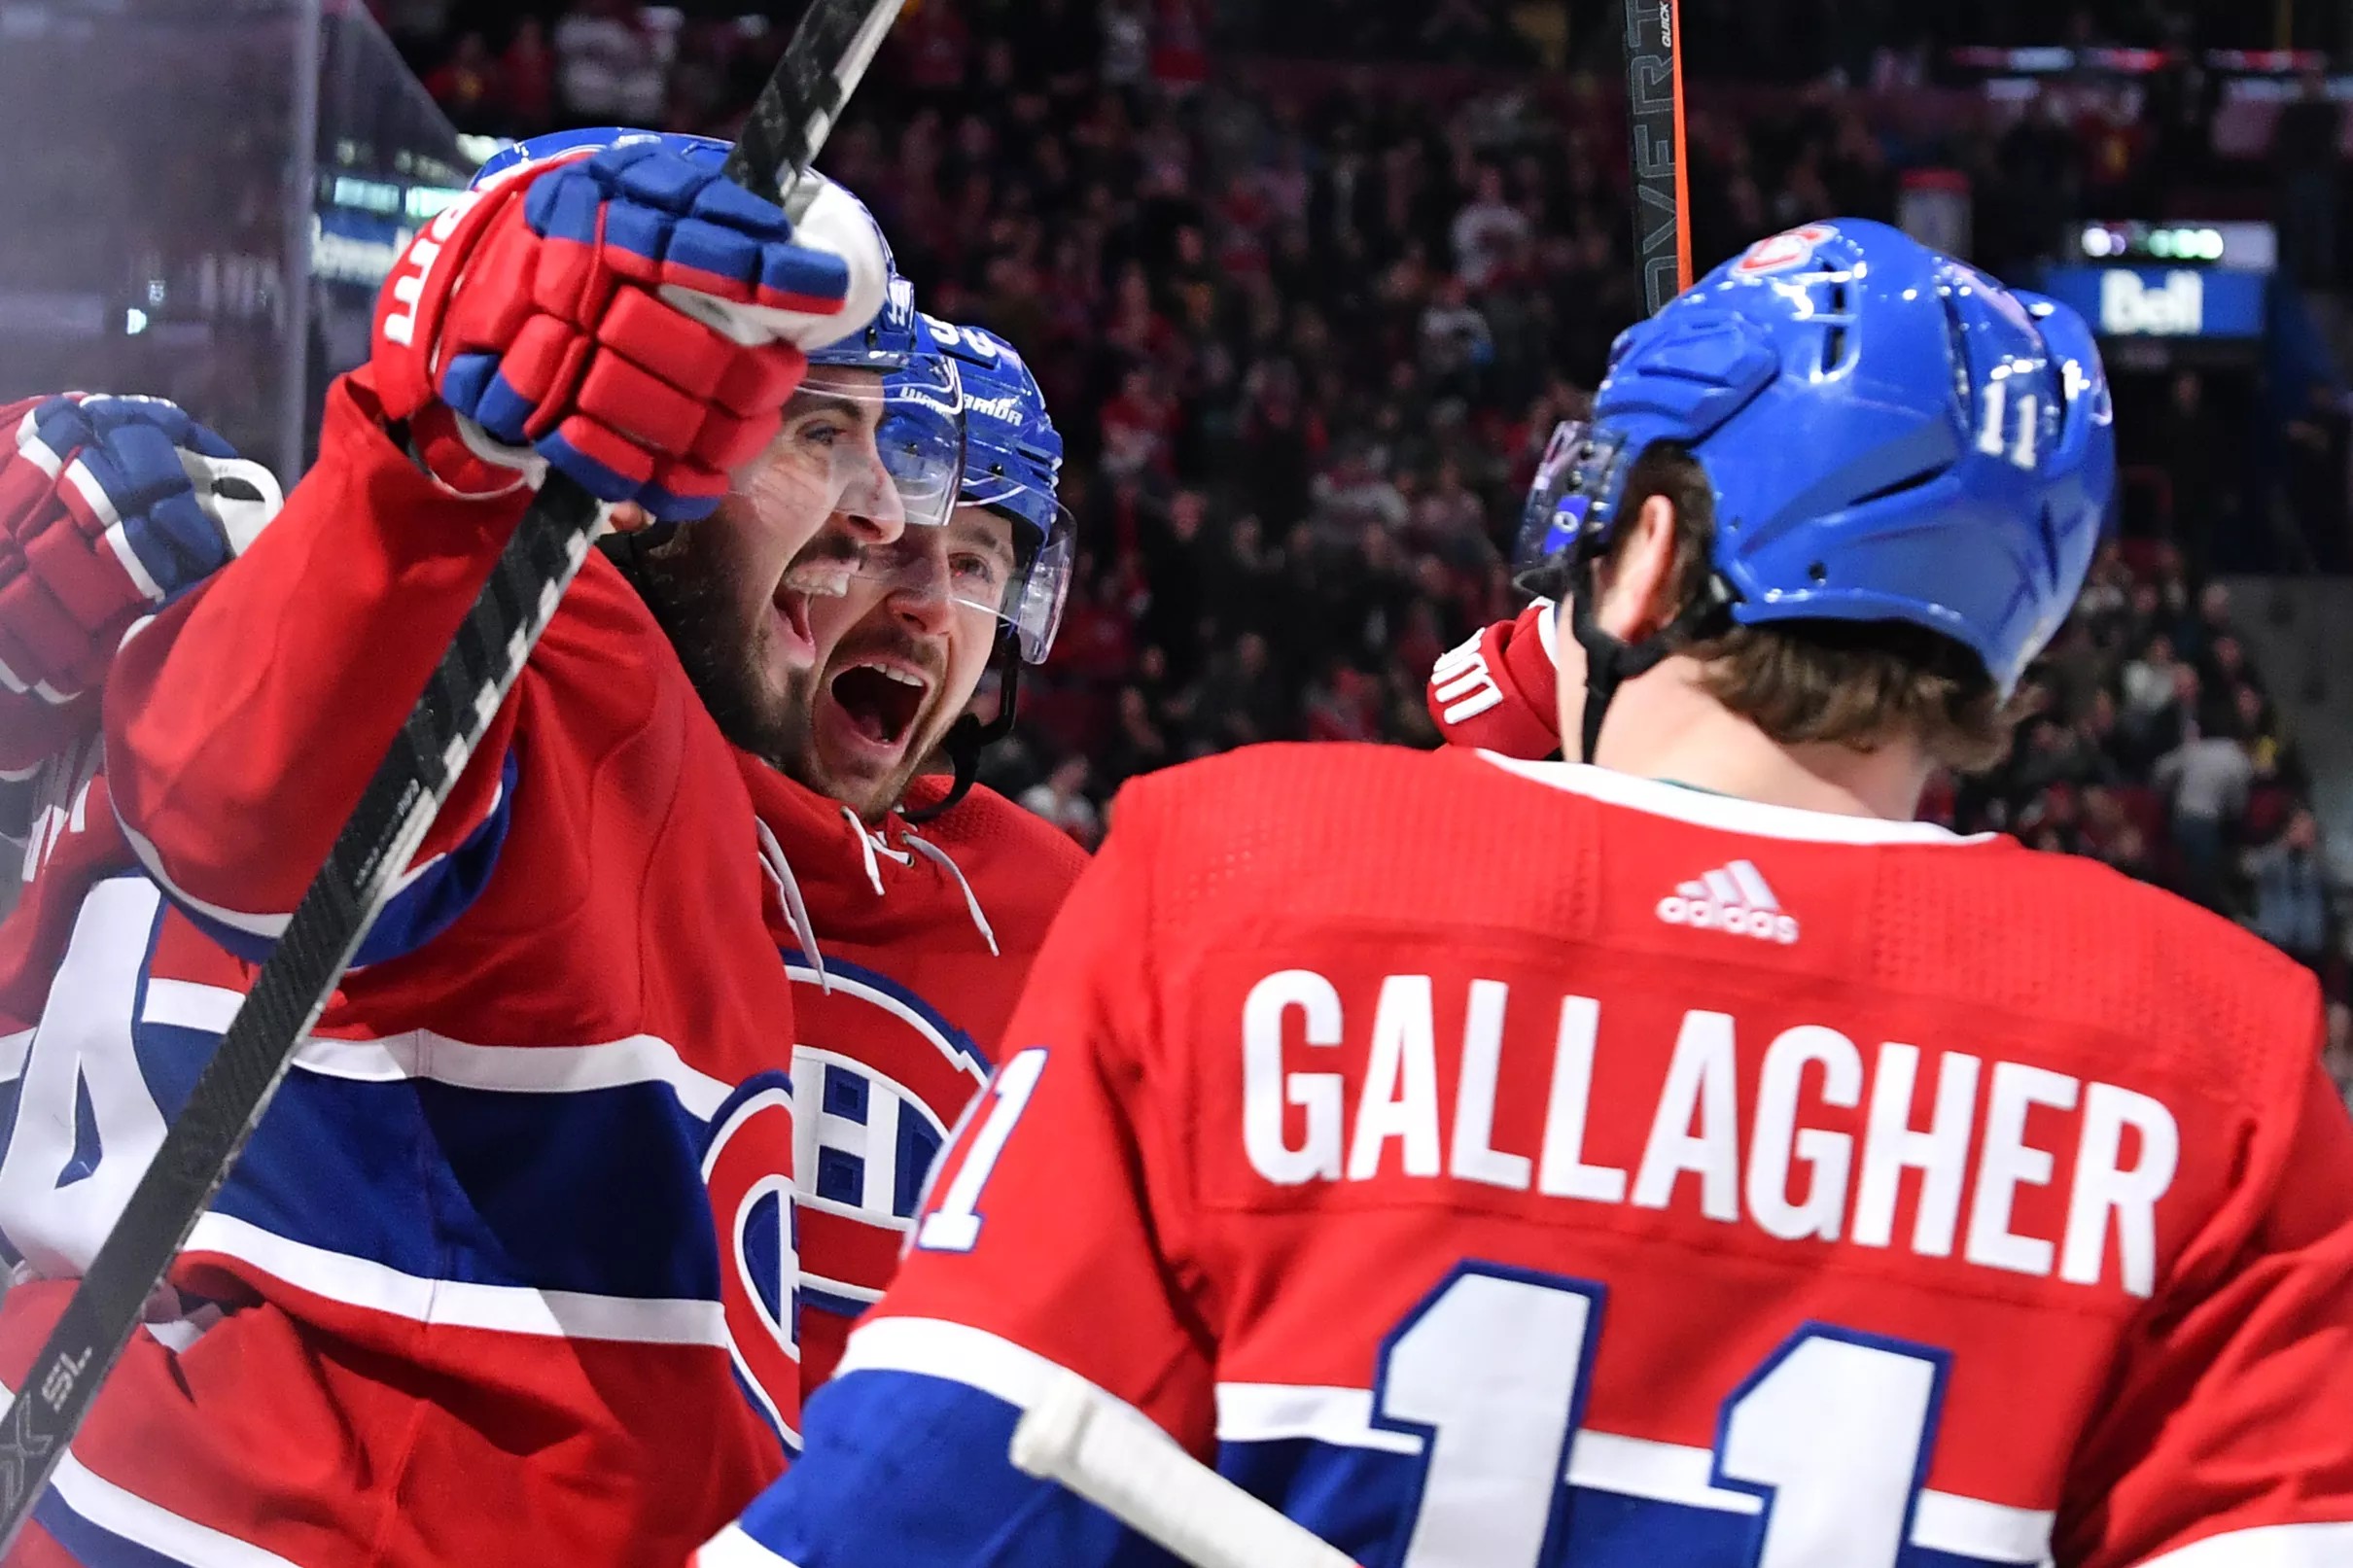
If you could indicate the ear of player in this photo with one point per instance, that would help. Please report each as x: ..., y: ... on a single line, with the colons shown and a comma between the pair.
x: 1009, y: 550
x: 1889, y: 434
x: 109, y: 508
x: 617, y: 310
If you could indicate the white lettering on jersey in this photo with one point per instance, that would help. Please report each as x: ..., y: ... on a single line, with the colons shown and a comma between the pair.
x: 1700, y: 1082
x: 1771, y: 1169
x: 1941, y: 1155
x: 1267, y: 1089
x: 1825, y: 1154
x: 1401, y: 1086
x: 1566, y: 1174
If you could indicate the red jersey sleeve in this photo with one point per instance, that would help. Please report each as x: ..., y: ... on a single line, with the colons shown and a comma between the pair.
x: 243, y: 724
x: 2226, y: 1439
x: 1057, y: 1189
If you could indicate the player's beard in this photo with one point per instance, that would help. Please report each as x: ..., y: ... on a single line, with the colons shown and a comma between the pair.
x: 722, y: 630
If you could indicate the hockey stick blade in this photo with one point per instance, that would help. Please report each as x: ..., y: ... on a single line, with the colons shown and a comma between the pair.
x: 1109, y: 1454
x: 795, y: 110
x: 1654, y: 111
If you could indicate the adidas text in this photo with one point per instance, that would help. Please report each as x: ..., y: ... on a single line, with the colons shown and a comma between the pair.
x: 1734, y: 899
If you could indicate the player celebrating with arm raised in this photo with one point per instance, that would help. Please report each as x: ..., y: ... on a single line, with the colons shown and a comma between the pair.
x: 1685, y: 1158
x: 505, y: 1273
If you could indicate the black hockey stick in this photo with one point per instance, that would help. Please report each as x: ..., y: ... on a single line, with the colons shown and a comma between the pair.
x: 1654, y: 116
x: 821, y: 67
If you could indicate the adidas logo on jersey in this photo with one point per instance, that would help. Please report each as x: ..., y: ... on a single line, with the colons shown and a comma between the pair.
x: 1733, y: 898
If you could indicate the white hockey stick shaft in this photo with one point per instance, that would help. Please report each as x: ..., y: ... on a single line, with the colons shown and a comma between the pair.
x: 1114, y: 1457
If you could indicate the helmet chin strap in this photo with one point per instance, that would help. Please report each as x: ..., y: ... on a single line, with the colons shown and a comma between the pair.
x: 1610, y: 661
x: 967, y: 737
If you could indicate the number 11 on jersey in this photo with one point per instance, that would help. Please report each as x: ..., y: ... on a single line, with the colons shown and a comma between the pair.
x: 955, y: 1225
x: 1832, y: 1433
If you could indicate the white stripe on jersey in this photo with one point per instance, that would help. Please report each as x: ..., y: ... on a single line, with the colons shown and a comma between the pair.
x: 1631, y: 1467
x: 149, y: 1525
x: 2271, y: 1546
x: 506, y: 1308
x: 1725, y: 812
x: 960, y: 1353
x: 542, y: 1069
x: 732, y: 1547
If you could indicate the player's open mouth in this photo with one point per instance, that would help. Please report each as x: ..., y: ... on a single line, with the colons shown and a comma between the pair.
x: 808, y: 579
x: 879, y: 699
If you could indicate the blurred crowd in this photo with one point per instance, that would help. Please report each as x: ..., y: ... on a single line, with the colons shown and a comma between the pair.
x: 2154, y: 744
x: 1306, y: 346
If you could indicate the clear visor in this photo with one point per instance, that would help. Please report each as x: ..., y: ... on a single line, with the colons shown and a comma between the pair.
x: 1561, y: 513
x: 889, y: 450
x: 987, y: 564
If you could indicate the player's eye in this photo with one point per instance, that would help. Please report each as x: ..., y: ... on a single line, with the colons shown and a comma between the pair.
x: 822, y: 433
x: 975, y: 571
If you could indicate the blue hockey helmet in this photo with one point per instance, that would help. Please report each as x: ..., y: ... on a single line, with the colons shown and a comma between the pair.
x: 708, y: 150
x: 1013, y: 467
x: 1889, y: 433
x: 885, y: 343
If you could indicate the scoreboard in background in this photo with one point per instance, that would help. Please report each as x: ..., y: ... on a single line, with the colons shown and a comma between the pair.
x: 2172, y: 283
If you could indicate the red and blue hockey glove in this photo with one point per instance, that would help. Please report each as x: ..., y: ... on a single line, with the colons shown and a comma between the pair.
x: 109, y: 507
x: 1498, y: 691
x: 624, y: 314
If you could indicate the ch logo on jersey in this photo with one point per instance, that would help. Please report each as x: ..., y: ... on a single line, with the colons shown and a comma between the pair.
x: 744, y: 1167
x: 881, y: 1077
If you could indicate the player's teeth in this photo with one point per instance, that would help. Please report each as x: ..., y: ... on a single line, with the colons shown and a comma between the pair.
x: 901, y: 676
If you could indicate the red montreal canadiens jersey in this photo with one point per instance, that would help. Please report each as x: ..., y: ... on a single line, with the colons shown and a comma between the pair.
x: 926, y: 934
x: 1499, y: 1163
x: 505, y: 1275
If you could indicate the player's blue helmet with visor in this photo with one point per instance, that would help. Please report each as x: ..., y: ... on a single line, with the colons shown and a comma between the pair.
x: 919, y: 429
x: 1012, y: 468
x: 1889, y: 433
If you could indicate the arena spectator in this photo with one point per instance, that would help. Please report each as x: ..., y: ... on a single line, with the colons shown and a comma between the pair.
x: 1061, y: 799
x: 2291, y: 891
x: 2338, y: 1054
x: 2206, y: 780
x: 607, y: 65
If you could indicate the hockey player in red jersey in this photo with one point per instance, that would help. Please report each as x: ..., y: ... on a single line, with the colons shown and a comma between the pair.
x: 109, y: 506
x: 1685, y: 1158
x: 506, y: 1274
x: 929, y: 893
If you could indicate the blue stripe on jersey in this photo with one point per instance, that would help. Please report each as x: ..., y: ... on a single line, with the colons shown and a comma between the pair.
x: 901, y: 1468
x: 442, y: 890
x: 597, y: 1190
x: 94, y: 1544
x: 826, y: 1301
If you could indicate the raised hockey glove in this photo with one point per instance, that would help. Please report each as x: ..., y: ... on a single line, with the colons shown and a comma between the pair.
x: 109, y: 507
x: 1498, y: 691
x: 624, y: 314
